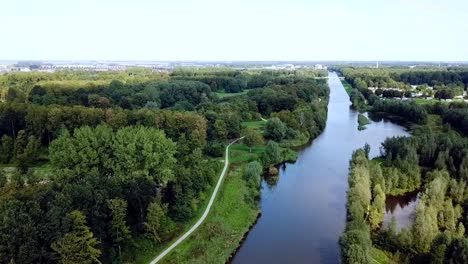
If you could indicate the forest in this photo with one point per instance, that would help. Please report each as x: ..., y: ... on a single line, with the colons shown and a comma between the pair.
x: 432, y: 161
x: 108, y: 166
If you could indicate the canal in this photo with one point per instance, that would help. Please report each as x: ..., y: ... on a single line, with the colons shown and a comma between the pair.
x: 303, y: 213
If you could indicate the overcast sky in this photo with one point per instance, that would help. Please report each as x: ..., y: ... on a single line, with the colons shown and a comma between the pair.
x: 234, y: 30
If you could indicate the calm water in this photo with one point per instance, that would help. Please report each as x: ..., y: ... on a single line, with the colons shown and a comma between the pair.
x: 303, y: 213
x: 402, y: 207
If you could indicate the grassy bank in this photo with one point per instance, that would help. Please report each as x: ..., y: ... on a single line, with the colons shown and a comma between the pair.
x: 234, y: 210
x: 347, y: 86
x: 363, y: 121
x: 220, y: 235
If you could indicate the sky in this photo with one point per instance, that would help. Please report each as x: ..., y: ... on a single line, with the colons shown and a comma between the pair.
x: 234, y: 30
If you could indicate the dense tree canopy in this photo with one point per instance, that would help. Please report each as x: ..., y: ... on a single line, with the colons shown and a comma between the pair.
x: 104, y: 165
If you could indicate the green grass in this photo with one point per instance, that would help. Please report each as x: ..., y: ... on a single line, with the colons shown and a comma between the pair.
x: 224, y: 228
x: 239, y: 153
x: 255, y: 124
x: 224, y: 94
x: 347, y: 86
x: 44, y: 171
x: 422, y: 101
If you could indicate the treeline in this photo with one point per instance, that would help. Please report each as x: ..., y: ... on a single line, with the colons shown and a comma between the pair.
x: 401, y: 78
x: 455, y: 114
x: 105, y: 167
x: 438, y: 83
x: 364, y: 100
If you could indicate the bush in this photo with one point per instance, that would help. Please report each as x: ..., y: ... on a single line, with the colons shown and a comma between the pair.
x: 272, y: 154
x: 253, y: 172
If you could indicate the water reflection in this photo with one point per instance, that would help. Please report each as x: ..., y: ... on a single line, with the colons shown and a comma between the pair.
x: 402, y: 208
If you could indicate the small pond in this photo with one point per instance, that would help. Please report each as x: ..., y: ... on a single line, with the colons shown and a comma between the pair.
x: 402, y: 207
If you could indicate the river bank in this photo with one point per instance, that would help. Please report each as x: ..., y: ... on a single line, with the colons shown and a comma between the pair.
x: 235, y: 212
x: 311, y: 193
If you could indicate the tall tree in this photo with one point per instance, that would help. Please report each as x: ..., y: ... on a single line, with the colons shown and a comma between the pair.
x: 79, y: 245
x: 272, y: 154
x: 118, y: 226
x: 252, y: 138
x: 275, y: 129
x: 20, y: 143
x: 377, y: 208
x: 155, y: 219
x: 6, y: 149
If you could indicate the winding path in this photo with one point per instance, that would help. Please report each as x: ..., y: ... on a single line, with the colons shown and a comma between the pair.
x: 205, y: 214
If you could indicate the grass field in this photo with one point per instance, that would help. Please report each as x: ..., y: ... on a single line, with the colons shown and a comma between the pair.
x: 347, y: 86
x: 225, y: 226
x: 255, y: 124
x: 224, y: 94
x: 422, y: 101
x: 239, y: 153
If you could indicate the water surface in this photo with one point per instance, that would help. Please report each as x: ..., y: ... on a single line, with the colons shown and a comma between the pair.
x: 402, y: 208
x: 303, y: 213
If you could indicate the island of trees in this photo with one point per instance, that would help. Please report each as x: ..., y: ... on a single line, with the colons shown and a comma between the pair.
x: 112, y: 166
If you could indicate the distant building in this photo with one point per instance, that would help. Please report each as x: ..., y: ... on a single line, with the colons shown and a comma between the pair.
x: 318, y: 67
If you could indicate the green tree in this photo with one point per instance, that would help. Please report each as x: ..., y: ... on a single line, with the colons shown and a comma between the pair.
x: 439, y: 248
x: 425, y: 227
x: 118, y: 226
x: 252, y: 138
x: 79, y: 245
x: 377, y: 210
x: 275, y: 129
x: 253, y: 172
x: 128, y: 153
x: 156, y: 220
x: 220, y: 129
x: 272, y: 154
x: 355, y: 243
x: 3, y: 179
x: 30, y: 154
x: 6, y: 149
x: 459, y: 254
x: 21, y: 142
x: 447, y: 216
